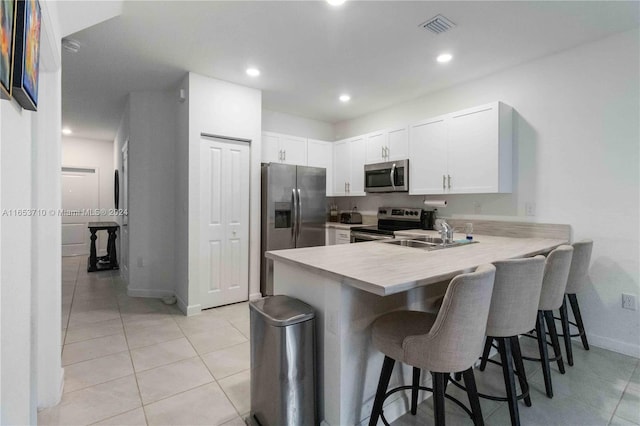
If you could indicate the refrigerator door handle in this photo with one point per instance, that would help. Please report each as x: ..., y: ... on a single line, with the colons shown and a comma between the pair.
x: 294, y: 222
x: 299, y: 215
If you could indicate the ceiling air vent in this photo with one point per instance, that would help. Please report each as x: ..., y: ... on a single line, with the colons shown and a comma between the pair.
x: 438, y: 24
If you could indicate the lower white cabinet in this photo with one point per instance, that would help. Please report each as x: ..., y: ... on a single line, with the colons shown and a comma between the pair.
x: 335, y: 236
x: 343, y: 236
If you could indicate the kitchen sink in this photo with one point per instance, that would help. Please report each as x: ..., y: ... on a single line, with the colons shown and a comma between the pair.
x: 426, y: 243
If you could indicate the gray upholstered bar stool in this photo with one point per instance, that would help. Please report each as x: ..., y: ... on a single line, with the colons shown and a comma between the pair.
x: 513, y: 311
x: 554, y: 284
x: 575, y: 284
x: 444, y: 343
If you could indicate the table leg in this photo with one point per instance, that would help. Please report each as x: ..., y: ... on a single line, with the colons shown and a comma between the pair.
x: 113, y: 257
x: 93, y: 259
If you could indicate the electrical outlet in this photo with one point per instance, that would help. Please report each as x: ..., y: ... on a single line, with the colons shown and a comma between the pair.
x: 629, y: 301
x: 530, y: 208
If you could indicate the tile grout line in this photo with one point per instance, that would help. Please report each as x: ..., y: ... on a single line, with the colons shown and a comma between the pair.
x: 73, y: 296
x: 622, y: 396
x: 135, y: 377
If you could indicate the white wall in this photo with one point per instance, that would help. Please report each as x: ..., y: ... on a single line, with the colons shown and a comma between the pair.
x: 152, y: 139
x: 30, y: 368
x: 576, y: 156
x: 90, y: 153
x: 221, y: 108
x: 122, y: 137
x: 182, y: 198
x: 280, y: 122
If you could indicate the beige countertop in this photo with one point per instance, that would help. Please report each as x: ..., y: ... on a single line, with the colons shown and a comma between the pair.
x: 337, y: 225
x: 385, y: 269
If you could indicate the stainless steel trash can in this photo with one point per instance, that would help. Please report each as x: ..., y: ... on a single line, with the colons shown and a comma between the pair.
x: 283, y: 351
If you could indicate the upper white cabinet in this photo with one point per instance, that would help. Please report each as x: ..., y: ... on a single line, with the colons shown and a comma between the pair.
x: 465, y: 152
x: 279, y: 148
x: 348, y: 167
x: 428, y: 156
x: 320, y: 154
x: 387, y: 145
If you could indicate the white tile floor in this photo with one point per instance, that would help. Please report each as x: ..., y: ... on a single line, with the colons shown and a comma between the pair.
x: 134, y: 361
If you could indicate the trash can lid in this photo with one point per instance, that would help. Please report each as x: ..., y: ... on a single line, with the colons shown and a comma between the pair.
x: 281, y: 311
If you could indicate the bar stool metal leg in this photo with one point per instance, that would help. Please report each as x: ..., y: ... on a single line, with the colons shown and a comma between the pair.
x: 504, y: 347
x: 414, y: 390
x: 439, y: 387
x: 573, y: 300
x: 485, y: 353
x: 544, y: 355
x: 519, y: 367
x: 566, y: 331
x: 472, y: 394
x: 551, y: 326
x: 385, y: 376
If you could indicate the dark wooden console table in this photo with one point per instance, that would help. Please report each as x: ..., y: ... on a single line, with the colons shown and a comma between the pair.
x: 110, y: 261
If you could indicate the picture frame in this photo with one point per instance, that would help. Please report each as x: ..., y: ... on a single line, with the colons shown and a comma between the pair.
x: 7, y: 45
x: 26, y: 63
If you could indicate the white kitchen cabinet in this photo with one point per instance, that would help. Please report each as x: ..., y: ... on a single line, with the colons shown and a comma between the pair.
x: 375, y: 147
x: 348, y: 167
x: 464, y: 152
x: 320, y: 154
x: 480, y: 150
x: 387, y: 145
x: 341, y: 167
x: 286, y: 149
x: 358, y: 153
x: 343, y: 236
x: 428, y: 156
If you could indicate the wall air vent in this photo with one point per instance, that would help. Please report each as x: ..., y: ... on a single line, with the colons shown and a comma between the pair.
x: 438, y: 24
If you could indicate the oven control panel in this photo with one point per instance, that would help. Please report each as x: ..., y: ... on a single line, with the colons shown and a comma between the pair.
x: 399, y: 213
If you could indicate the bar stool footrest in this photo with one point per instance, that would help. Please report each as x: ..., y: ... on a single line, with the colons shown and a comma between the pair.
x: 523, y: 395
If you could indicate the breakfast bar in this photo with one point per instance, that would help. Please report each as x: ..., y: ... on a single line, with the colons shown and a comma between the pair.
x: 351, y: 285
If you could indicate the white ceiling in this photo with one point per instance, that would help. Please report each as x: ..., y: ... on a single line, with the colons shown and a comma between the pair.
x: 310, y: 52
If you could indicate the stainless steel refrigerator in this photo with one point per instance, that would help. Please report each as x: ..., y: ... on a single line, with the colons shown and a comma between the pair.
x: 293, y: 212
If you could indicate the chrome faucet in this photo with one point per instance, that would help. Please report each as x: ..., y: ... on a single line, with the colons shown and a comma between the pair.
x: 446, y: 232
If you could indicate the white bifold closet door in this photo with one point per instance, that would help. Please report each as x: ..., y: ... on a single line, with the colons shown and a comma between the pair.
x: 224, y: 221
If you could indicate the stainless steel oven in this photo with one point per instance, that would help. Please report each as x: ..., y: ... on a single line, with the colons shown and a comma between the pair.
x: 392, y: 176
x: 363, y: 236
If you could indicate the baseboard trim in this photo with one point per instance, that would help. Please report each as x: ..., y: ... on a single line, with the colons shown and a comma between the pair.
x: 612, y: 345
x: 255, y: 296
x: 146, y: 292
x: 188, y: 310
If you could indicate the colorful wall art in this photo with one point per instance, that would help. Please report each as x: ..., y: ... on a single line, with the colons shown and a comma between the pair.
x: 27, y: 54
x: 7, y: 37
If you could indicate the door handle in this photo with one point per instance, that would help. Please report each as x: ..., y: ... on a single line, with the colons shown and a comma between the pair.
x: 444, y: 182
x: 392, y: 176
x: 449, y: 177
x: 280, y: 155
x: 294, y: 222
x: 284, y: 154
x: 299, y: 215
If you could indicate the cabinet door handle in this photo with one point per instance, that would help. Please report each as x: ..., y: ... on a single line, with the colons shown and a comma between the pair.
x: 284, y: 155
x: 345, y: 187
x: 444, y: 182
x: 386, y: 152
x: 280, y: 155
x: 382, y: 149
x: 348, y: 186
x: 449, y: 178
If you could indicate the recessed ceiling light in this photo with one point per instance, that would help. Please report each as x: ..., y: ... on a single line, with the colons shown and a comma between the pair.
x: 336, y: 2
x: 66, y: 131
x: 253, y: 72
x: 345, y: 98
x: 444, y: 58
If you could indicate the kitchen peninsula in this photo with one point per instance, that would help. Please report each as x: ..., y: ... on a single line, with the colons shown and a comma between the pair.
x: 351, y: 285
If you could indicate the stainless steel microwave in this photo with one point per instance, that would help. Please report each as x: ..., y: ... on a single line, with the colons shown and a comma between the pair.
x: 392, y: 176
